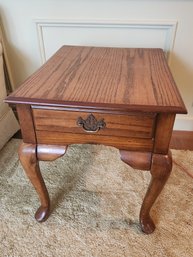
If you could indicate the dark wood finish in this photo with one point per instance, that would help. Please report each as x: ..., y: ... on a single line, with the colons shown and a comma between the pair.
x: 26, y: 123
x: 182, y: 140
x: 130, y: 125
x: 50, y: 152
x: 163, y: 133
x: 137, y: 160
x: 130, y: 97
x: 29, y: 155
x: 103, y: 77
x: 29, y: 161
x: 137, y: 144
x: 160, y: 171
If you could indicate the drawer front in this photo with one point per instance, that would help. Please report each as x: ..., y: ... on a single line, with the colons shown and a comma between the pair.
x: 132, y: 125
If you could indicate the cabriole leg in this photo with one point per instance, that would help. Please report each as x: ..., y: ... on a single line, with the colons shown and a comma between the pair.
x: 160, y: 171
x: 29, y: 155
x: 29, y: 161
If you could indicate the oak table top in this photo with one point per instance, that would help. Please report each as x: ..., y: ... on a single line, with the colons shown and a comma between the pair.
x: 129, y: 79
x: 125, y: 98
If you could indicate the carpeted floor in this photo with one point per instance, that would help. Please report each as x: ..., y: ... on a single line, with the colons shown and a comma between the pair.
x: 96, y: 200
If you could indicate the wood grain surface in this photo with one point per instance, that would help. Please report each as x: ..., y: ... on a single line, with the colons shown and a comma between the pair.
x: 29, y: 161
x: 137, y: 160
x: 163, y: 132
x: 130, y: 125
x: 125, y: 98
x: 160, y: 171
x: 26, y: 123
x: 130, y: 79
x: 124, y: 143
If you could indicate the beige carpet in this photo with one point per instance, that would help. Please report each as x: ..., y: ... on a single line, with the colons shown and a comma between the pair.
x: 96, y: 199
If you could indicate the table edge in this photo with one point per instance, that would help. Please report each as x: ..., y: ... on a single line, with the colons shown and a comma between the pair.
x: 89, y: 105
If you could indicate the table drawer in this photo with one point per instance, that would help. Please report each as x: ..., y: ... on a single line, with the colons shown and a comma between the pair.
x: 140, y: 125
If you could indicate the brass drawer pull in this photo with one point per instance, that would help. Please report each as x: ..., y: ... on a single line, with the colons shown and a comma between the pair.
x: 90, y: 124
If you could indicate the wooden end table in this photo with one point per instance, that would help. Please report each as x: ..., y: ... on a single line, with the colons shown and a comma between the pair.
x: 119, y: 97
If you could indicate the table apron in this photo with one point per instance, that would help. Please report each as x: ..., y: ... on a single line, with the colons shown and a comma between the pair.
x: 133, y: 144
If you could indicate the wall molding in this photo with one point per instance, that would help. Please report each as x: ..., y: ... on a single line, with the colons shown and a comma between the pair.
x: 169, y: 27
x: 183, y: 122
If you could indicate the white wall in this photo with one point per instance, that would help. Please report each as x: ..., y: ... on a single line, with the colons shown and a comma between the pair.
x: 27, y: 47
